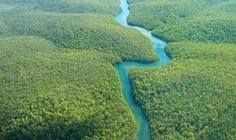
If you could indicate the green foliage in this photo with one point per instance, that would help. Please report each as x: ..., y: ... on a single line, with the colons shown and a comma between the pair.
x: 83, y: 31
x: 202, y: 51
x: 51, y: 93
x: 57, y: 77
x: 65, y: 87
x: 200, y: 29
x: 198, y: 20
x: 192, y: 97
x: 70, y: 6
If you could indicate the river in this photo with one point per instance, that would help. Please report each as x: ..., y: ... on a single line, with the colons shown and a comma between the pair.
x: 123, y: 70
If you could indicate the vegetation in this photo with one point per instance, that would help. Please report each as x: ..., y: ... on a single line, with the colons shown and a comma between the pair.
x: 56, y: 70
x: 202, y: 51
x: 197, y: 20
x: 51, y: 93
x: 192, y: 97
x: 58, y: 80
x: 70, y: 6
x: 83, y: 31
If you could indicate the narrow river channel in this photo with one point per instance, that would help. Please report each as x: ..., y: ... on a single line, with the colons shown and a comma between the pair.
x: 123, y: 70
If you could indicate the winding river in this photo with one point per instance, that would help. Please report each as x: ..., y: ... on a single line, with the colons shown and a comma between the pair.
x: 123, y: 70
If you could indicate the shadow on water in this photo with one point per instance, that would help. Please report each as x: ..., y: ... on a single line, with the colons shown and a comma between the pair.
x: 123, y: 70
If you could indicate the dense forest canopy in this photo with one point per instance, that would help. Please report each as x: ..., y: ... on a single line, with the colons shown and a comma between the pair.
x: 70, y: 6
x: 58, y: 79
x: 194, y: 96
x: 56, y: 70
x: 84, y: 31
x: 197, y: 20
x: 51, y: 93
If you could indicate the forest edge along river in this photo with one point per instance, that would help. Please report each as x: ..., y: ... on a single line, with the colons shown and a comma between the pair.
x: 123, y: 70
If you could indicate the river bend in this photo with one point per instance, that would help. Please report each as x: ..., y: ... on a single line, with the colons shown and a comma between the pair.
x: 123, y: 70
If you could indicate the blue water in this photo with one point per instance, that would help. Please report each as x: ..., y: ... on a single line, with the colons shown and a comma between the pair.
x: 123, y: 70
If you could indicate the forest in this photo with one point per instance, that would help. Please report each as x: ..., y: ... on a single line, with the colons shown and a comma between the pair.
x: 56, y: 70
x: 51, y: 93
x: 59, y: 80
x: 184, y: 20
x: 194, y: 95
x: 68, y: 6
x: 84, y: 31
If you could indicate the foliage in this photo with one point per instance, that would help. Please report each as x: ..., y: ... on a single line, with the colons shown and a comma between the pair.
x: 198, y: 20
x: 70, y: 6
x: 56, y: 73
x: 192, y: 97
x: 58, y: 80
x: 202, y: 51
x: 83, y: 31
x: 51, y: 93
x: 201, y: 29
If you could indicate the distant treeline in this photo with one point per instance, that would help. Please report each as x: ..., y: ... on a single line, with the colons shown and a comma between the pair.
x: 70, y: 6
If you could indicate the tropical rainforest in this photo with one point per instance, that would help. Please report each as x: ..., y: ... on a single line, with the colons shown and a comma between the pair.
x: 59, y: 81
x: 189, y: 20
x: 48, y: 93
x: 56, y: 70
x: 194, y: 95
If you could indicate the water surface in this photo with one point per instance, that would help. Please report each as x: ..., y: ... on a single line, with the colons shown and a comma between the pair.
x: 123, y: 70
